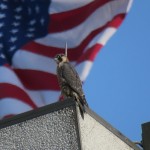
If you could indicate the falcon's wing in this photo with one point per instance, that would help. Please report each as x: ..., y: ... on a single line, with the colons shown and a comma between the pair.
x: 72, y: 78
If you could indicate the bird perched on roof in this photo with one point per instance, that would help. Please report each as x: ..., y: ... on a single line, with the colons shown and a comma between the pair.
x: 69, y: 81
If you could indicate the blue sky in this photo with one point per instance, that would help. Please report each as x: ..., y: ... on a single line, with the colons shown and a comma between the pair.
x: 118, y: 86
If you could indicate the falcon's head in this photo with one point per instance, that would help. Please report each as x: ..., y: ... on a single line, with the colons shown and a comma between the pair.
x: 60, y: 58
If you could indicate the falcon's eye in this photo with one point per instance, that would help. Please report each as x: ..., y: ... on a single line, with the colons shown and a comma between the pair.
x: 59, y: 57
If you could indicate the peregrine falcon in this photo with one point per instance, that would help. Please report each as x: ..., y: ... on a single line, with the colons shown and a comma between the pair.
x: 69, y: 82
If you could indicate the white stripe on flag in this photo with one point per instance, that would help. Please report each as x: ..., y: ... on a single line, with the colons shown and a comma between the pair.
x: 8, y: 76
x: 58, y: 6
x: 101, y: 38
x: 28, y: 60
x: 44, y: 97
x: 83, y: 69
x: 96, y: 20
x: 12, y: 106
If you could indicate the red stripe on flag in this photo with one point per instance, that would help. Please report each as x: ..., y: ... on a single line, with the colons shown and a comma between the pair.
x: 67, y: 20
x: 9, y: 90
x: 44, y: 50
x: 90, y: 54
x: 116, y: 21
x: 37, y: 80
x: 73, y: 53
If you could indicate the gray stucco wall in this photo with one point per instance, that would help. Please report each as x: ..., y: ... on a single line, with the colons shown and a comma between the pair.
x: 95, y: 136
x: 53, y: 131
x: 59, y: 126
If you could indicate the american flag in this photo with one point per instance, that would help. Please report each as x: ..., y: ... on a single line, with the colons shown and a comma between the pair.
x: 32, y: 32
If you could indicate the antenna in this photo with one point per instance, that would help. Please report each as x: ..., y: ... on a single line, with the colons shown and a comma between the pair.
x: 66, y: 49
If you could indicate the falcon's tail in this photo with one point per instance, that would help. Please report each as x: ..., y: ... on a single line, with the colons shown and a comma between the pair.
x: 81, y: 109
x: 83, y: 101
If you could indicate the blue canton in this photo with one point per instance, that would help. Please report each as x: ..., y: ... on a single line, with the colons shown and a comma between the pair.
x: 21, y: 21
